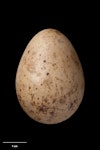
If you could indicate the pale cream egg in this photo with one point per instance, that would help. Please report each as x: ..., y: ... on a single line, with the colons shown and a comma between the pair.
x: 49, y: 80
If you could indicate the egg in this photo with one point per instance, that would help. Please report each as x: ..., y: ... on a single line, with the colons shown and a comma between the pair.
x: 49, y: 79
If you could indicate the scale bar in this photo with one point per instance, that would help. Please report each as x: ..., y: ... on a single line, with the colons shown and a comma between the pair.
x: 14, y: 142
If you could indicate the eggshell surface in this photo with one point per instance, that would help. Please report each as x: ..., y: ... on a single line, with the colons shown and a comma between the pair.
x: 49, y: 79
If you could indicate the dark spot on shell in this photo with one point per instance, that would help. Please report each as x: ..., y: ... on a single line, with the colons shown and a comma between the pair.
x: 24, y: 75
x: 28, y: 51
x: 57, y: 78
x: 20, y: 90
x: 54, y: 64
x: 29, y: 87
x: 51, y: 113
x: 44, y: 61
x: 38, y: 98
x: 32, y: 103
x: 75, y: 100
x: 31, y: 111
x: 60, y: 41
x: 41, y: 84
x: 77, y: 63
x: 62, y: 101
x: 32, y: 95
x: 19, y: 97
x: 47, y: 73
x: 54, y: 100
x: 36, y: 88
x: 45, y: 100
x: 43, y: 109
x: 64, y: 96
x: 70, y: 105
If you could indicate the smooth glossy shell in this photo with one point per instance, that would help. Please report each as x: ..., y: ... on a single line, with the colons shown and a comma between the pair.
x: 49, y: 79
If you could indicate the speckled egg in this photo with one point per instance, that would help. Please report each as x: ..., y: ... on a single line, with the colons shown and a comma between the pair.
x: 49, y: 79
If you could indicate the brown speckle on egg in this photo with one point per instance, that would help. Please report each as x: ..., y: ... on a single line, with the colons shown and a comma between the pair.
x: 29, y: 87
x: 54, y: 64
x: 44, y: 61
x: 32, y: 96
x: 47, y: 73
x: 71, y: 105
x: 52, y: 113
x: 62, y: 101
x: 54, y: 100
x: 43, y: 109
x: 45, y: 100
